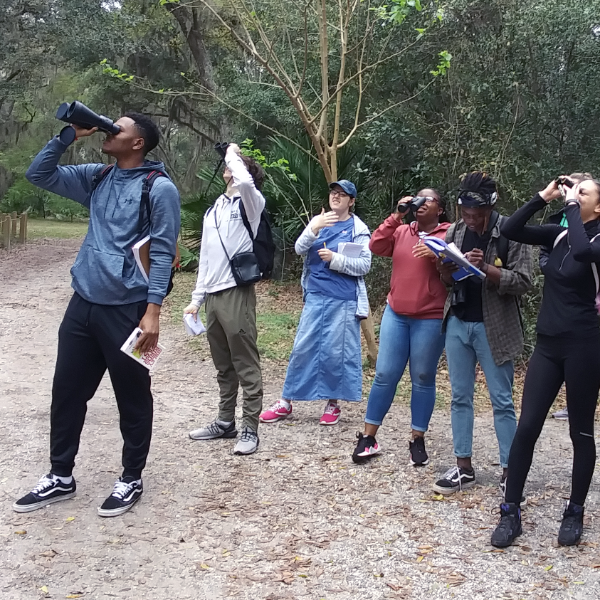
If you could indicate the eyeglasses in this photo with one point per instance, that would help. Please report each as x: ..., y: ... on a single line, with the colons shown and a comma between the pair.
x: 337, y: 193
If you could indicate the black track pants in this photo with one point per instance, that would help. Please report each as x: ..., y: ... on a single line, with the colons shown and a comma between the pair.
x: 555, y: 360
x: 89, y: 342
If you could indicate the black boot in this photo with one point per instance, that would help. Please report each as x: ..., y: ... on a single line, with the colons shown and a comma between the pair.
x: 509, y: 527
x: 571, y: 527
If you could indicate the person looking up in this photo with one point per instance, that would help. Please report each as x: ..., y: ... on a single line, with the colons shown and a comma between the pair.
x: 567, y: 350
x: 111, y: 299
x: 411, y: 327
x: 231, y: 308
x: 326, y: 362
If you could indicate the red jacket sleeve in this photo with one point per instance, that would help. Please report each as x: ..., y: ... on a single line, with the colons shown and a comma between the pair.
x: 383, y: 238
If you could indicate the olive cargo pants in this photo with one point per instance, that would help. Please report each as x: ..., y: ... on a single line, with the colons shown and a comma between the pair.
x: 231, y: 333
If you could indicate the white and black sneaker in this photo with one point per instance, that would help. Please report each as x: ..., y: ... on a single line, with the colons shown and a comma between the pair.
x: 216, y: 429
x: 455, y: 480
x: 418, y: 454
x: 125, y: 494
x: 48, y: 490
x: 366, y: 448
x: 248, y: 442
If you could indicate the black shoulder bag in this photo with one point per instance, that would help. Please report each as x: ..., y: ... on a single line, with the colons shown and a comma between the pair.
x: 244, y: 265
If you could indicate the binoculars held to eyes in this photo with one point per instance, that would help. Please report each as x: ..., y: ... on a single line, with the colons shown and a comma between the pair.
x: 221, y: 148
x: 565, y: 181
x: 77, y: 113
x: 413, y: 205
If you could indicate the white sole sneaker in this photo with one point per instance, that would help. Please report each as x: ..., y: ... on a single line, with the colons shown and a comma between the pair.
x: 115, y: 512
x: 445, y: 491
x: 31, y: 507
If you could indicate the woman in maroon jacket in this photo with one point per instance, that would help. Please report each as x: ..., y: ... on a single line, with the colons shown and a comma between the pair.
x: 411, y: 327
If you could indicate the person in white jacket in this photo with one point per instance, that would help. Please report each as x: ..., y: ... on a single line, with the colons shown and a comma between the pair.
x: 231, y: 309
x: 326, y: 362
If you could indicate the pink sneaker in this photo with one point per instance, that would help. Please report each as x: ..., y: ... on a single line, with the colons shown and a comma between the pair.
x: 331, y: 415
x: 277, y: 412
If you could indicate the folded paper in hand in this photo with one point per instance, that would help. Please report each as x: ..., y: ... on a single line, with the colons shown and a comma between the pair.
x: 450, y: 253
x: 147, y: 359
x: 350, y: 249
x: 193, y: 326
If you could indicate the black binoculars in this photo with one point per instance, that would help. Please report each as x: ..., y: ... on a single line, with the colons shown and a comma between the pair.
x: 79, y: 114
x: 414, y: 205
x: 564, y: 181
x: 221, y: 148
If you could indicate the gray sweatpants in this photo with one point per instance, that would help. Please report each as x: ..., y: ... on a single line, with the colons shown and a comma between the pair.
x: 231, y: 333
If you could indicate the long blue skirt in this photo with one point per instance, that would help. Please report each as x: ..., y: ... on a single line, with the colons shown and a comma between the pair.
x: 326, y: 362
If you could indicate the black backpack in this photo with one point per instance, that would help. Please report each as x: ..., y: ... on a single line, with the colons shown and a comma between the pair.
x: 144, y: 201
x: 262, y: 245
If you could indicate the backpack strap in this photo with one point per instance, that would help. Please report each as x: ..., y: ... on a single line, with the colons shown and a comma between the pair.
x: 560, y: 236
x: 245, y: 219
x: 595, y: 269
x: 99, y: 175
x: 145, y: 200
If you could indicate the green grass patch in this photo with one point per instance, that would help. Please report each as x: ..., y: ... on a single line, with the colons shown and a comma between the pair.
x: 276, y: 332
x: 47, y: 228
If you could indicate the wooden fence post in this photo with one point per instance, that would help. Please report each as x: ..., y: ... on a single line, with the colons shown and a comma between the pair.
x: 13, y: 222
x: 6, y: 232
x: 368, y: 329
x: 23, y: 228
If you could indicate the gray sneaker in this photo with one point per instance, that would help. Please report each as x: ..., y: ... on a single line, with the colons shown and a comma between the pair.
x: 561, y: 415
x: 248, y: 443
x: 215, y: 430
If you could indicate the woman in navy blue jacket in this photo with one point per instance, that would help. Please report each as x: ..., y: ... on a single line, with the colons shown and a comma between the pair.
x: 567, y: 349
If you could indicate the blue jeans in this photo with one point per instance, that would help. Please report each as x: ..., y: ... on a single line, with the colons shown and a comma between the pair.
x: 402, y: 339
x: 467, y: 343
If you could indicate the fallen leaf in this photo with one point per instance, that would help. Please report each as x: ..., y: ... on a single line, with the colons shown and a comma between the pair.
x: 204, y: 566
x: 44, y: 589
x: 69, y: 519
x: 74, y: 596
x: 578, y: 582
x: 420, y: 558
x: 21, y: 532
x: 438, y: 497
x: 547, y: 568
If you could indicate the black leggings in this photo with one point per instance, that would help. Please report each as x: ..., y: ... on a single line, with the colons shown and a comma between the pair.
x: 576, y: 362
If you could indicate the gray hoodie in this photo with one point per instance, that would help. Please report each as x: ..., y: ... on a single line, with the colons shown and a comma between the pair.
x: 105, y: 270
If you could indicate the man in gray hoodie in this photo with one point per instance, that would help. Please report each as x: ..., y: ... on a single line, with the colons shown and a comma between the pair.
x: 111, y: 299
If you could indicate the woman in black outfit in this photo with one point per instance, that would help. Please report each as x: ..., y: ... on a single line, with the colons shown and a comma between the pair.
x: 567, y: 350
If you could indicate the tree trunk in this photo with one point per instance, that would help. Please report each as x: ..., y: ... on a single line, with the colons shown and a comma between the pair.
x: 190, y: 23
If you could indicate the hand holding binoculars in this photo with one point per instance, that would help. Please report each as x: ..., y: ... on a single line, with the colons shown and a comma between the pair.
x: 221, y: 148
x: 414, y: 204
x: 77, y: 113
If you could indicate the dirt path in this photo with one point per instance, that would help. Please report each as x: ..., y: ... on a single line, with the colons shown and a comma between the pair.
x: 296, y: 520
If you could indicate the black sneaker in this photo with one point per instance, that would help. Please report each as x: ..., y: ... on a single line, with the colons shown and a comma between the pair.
x: 126, y: 493
x: 214, y: 431
x: 48, y: 490
x: 366, y: 448
x: 571, y: 527
x: 455, y: 480
x: 418, y: 454
x: 502, y: 486
x: 509, y: 527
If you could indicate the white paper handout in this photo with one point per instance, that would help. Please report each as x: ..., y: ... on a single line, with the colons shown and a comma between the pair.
x: 193, y: 326
x: 350, y: 249
x: 147, y: 359
x: 141, y: 252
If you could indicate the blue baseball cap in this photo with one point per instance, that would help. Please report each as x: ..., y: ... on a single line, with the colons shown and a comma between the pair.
x: 346, y: 185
